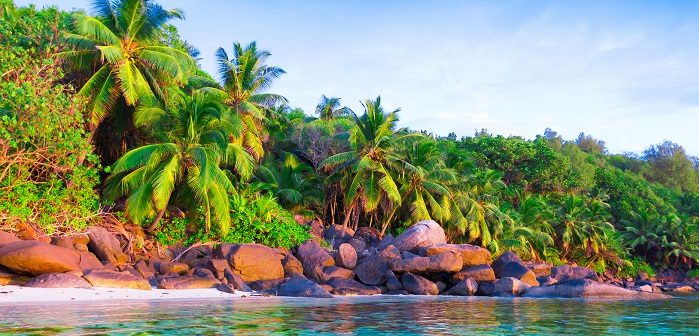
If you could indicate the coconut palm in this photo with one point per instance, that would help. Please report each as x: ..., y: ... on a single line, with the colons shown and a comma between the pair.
x: 119, y: 45
x: 188, y: 167
x: 329, y: 108
x: 245, y: 77
x: 640, y: 230
x: 532, y: 227
x: 367, y: 180
x: 290, y: 181
x: 582, y: 224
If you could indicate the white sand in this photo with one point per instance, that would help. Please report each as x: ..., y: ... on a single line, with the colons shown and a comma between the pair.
x: 16, y: 294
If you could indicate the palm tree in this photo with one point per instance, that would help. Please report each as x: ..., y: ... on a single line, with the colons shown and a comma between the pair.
x: 245, y: 77
x: 427, y: 186
x: 329, y: 108
x: 367, y: 180
x: 532, y: 229
x: 290, y: 181
x: 119, y: 44
x: 582, y: 223
x: 189, y: 166
x: 640, y: 230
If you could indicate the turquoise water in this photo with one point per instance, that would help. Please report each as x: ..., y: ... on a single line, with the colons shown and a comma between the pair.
x: 357, y: 316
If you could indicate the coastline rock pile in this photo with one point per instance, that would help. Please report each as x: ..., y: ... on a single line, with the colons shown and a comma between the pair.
x: 418, y: 262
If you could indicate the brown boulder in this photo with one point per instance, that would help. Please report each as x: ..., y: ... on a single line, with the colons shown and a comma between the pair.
x: 114, y: 279
x: 372, y: 269
x: 503, y: 259
x: 255, y: 262
x: 217, y: 267
x: 291, y: 266
x: 565, y: 272
x: 480, y: 273
x: 12, y: 279
x: 370, y: 236
x: 223, y: 251
x: 448, y: 262
x: 145, y: 268
x: 235, y: 280
x: 299, y: 286
x: 89, y: 261
x: 313, y: 258
x: 392, y: 282
x: 338, y: 272
x: 264, y: 285
x: 6, y: 238
x: 58, y: 280
x: 167, y: 268
x: 417, y: 285
x: 187, y: 282
x: 510, y: 287
x: 472, y: 255
x: 541, y: 269
x: 32, y: 257
x: 337, y: 233
x: 346, y: 256
x: 422, y: 234
x: 343, y: 286
x: 106, y: 246
x: 517, y: 270
x: 465, y: 287
x: 586, y: 288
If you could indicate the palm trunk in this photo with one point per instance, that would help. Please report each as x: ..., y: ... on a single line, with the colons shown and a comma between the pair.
x: 153, y: 225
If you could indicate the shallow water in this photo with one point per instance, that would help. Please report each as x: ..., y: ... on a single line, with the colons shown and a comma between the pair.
x: 407, y: 315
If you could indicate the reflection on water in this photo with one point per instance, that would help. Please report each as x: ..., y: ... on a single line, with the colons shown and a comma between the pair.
x: 357, y: 316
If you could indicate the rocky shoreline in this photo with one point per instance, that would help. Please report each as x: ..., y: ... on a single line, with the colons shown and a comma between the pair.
x: 337, y: 262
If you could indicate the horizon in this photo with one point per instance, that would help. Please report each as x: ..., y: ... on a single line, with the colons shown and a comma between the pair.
x: 623, y: 73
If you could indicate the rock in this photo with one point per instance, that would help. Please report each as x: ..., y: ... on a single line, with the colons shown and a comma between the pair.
x: 217, y: 267
x: 479, y: 273
x: 566, y: 272
x: 89, y: 261
x: 106, y: 246
x: 359, y: 245
x: 503, y: 259
x: 203, y: 272
x: 145, y: 268
x: 424, y: 233
x: 343, y: 286
x: 509, y: 287
x: 540, y: 269
x: 313, y: 257
x: 226, y: 288
x: 646, y: 288
x: 336, y: 233
x: 222, y: 251
x: 346, y: 256
x: 236, y: 281
x: 167, y: 268
x: 12, y: 279
x: 485, y: 289
x: 441, y: 286
x: 392, y: 282
x: 255, y: 262
x: 299, y: 286
x: 113, y: 279
x: 187, y: 282
x: 58, y: 280
x: 369, y: 235
x: 63, y: 241
x: 6, y: 238
x: 387, y: 240
x: 26, y: 231
x: 264, y: 285
x: 517, y: 270
x: 408, y: 255
x: 372, y: 269
x: 472, y: 255
x: 338, y: 272
x: 292, y: 266
x: 31, y: 257
x: 397, y: 292
x: 683, y: 289
x: 546, y: 281
x: 197, y: 256
x: 448, y: 262
x: 465, y: 287
x: 587, y: 288
x: 415, y: 284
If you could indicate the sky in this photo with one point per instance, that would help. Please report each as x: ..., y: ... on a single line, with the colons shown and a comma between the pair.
x: 626, y: 72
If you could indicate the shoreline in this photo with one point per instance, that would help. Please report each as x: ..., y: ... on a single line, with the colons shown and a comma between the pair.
x: 19, y: 294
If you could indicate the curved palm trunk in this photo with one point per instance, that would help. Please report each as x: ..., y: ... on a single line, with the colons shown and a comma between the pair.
x: 154, y: 225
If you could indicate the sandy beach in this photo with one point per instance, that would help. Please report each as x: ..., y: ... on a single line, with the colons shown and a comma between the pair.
x: 17, y: 294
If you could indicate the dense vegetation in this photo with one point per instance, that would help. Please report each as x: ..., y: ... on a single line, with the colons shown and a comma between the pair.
x: 108, y: 112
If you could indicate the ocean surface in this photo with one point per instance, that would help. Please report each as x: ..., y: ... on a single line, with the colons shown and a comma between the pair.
x: 384, y: 315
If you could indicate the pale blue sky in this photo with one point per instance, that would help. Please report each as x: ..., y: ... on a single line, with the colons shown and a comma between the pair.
x: 626, y: 72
